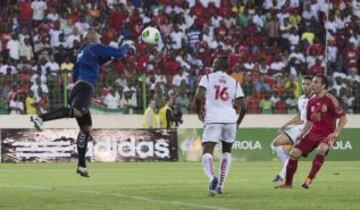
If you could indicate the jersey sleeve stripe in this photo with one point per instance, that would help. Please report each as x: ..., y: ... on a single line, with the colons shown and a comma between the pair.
x: 333, y: 99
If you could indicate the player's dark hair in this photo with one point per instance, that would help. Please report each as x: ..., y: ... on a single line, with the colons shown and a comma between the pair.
x: 307, y: 77
x: 224, y: 62
x: 324, y: 80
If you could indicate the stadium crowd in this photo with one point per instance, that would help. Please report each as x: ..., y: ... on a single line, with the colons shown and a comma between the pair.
x: 270, y: 43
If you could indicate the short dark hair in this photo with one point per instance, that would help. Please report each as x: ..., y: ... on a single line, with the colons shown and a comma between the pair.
x: 324, y: 80
x: 223, y: 62
x: 307, y: 77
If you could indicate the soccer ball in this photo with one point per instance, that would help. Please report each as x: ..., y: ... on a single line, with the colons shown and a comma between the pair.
x: 150, y: 35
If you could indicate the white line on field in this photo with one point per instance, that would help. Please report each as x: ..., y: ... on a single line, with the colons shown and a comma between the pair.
x: 140, y: 198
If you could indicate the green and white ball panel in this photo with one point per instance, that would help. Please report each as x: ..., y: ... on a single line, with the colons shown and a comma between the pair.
x: 150, y: 35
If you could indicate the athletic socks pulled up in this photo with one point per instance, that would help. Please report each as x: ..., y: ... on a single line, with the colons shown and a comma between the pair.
x: 281, y: 153
x: 81, y: 144
x: 208, y: 165
x: 316, y: 165
x: 290, y: 171
x: 282, y: 173
x: 225, y: 164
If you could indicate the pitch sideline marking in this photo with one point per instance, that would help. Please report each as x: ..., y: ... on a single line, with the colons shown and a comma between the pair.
x: 140, y: 198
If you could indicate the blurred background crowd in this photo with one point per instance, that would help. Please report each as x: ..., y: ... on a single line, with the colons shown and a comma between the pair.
x: 271, y: 45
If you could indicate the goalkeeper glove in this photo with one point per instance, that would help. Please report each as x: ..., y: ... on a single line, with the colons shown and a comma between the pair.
x: 130, y: 44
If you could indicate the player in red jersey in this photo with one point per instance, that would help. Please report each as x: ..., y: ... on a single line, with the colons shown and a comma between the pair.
x: 320, y: 131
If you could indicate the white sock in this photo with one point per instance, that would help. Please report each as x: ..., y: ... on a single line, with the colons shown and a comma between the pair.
x: 283, y: 156
x: 225, y: 163
x: 208, y: 165
x: 282, y: 173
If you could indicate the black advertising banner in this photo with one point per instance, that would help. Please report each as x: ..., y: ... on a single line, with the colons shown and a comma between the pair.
x: 108, y: 145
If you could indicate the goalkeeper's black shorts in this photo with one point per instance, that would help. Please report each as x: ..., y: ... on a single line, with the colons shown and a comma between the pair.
x: 80, y: 99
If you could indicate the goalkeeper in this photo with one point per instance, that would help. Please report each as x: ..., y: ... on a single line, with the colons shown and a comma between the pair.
x: 85, y: 74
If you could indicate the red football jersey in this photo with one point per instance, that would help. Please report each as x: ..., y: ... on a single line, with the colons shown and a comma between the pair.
x: 323, y: 112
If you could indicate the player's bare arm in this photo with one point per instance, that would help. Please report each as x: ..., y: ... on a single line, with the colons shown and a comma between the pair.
x: 199, y: 106
x: 341, y: 124
x: 240, y: 107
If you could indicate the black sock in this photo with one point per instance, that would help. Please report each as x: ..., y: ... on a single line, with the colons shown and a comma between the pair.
x: 57, y: 114
x: 81, y: 144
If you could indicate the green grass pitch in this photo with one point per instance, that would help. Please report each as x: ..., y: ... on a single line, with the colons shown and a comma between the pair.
x: 180, y: 185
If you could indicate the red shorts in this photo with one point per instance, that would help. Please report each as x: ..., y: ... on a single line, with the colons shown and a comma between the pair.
x: 309, y: 142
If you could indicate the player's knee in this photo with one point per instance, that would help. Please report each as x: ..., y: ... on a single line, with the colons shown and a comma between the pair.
x: 322, y: 149
x: 208, y: 147
x: 281, y: 140
x: 226, y: 147
x: 295, y: 153
x: 77, y: 113
x: 275, y: 144
x: 86, y: 129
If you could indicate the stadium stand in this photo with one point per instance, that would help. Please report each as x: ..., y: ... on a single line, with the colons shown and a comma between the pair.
x: 271, y: 45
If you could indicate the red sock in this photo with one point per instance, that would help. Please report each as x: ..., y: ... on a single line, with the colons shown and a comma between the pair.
x: 290, y: 171
x: 316, y: 165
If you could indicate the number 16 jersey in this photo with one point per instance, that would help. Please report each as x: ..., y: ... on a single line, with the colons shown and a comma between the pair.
x: 221, y: 91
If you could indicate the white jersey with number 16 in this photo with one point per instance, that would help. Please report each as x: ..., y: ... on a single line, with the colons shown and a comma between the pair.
x: 221, y: 91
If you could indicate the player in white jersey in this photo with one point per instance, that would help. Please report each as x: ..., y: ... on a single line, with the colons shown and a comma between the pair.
x: 224, y: 100
x: 290, y: 136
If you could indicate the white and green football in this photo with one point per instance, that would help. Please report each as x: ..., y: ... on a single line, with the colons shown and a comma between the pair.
x: 150, y: 35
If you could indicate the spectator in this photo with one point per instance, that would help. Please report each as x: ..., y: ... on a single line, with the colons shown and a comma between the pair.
x: 183, y: 102
x: 39, y: 7
x: 26, y: 50
x: 262, y: 86
x: 129, y: 101
x: 67, y: 65
x: 348, y: 100
x: 338, y: 86
x: 52, y: 65
x: 150, y: 119
x: 43, y: 102
x: 275, y: 98
x: 280, y: 106
x: 13, y: 46
x: 8, y: 69
x: 41, y: 48
x: 38, y: 88
x: 55, y: 35
x: 82, y: 25
x: 52, y: 15
x: 293, y: 86
x: 277, y: 66
x: 266, y: 104
x: 309, y: 12
x: 293, y: 37
x: 308, y: 36
x: 182, y: 76
x: 166, y: 114
x: 316, y: 68
x: 25, y: 11
x: 30, y: 104
x: 291, y: 103
x: 16, y: 106
x: 259, y: 19
x: 73, y: 38
x: 273, y: 29
x: 193, y: 35
x: 112, y: 99
x: 177, y: 38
